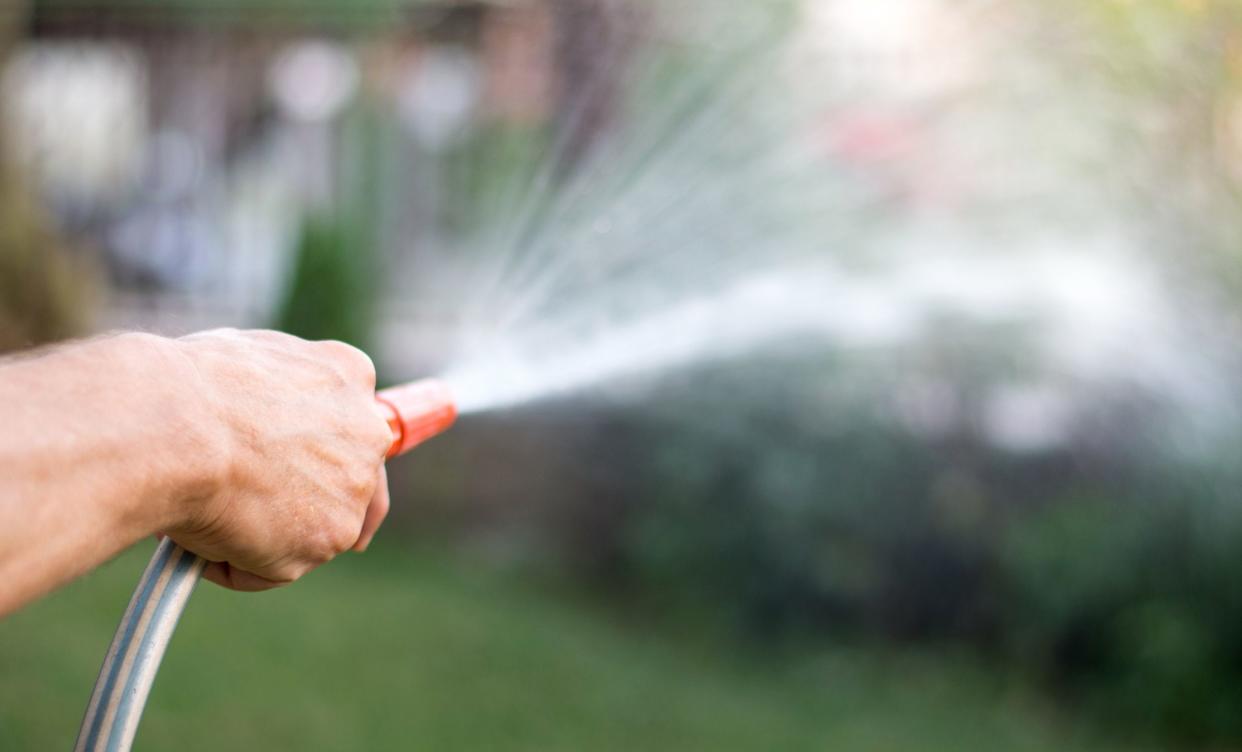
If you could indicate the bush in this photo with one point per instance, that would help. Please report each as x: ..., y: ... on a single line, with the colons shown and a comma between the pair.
x: 330, y: 294
x: 1132, y: 604
x: 1118, y: 582
x: 335, y: 280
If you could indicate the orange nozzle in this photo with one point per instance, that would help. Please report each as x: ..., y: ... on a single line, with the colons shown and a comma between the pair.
x: 416, y: 412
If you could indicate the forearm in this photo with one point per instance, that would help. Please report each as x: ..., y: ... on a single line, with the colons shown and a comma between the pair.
x: 261, y: 452
x: 98, y: 449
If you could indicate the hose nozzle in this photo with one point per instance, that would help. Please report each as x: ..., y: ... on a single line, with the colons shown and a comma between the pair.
x: 416, y: 412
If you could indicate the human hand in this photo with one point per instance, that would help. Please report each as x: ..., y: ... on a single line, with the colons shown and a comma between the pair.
x: 300, y: 446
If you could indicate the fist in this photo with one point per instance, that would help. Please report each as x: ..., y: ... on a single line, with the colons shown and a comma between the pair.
x: 298, y: 447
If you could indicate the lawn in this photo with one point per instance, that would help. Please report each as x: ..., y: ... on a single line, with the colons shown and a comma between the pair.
x: 395, y: 651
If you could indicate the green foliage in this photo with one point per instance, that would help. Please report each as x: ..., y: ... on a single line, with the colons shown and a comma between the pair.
x: 1117, y: 581
x: 1133, y: 604
x: 330, y: 293
x: 334, y: 284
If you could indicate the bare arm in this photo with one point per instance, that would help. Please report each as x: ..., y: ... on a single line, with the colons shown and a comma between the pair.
x: 259, y: 451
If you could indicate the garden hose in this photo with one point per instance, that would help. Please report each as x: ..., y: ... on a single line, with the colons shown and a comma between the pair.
x: 415, y: 413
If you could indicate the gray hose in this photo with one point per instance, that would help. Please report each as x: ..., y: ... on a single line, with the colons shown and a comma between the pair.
x: 137, y: 649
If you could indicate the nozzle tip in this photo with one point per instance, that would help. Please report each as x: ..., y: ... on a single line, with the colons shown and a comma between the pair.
x: 418, y: 411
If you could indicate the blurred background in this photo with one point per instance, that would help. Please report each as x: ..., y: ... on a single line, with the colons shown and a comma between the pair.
x: 866, y: 372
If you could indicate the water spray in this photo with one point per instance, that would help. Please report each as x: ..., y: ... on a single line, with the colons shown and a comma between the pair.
x: 415, y: 412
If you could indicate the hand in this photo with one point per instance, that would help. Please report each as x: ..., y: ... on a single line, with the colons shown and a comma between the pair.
x: 300, y: 477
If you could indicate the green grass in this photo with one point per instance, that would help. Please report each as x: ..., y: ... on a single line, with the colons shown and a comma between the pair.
x: 395, y: 651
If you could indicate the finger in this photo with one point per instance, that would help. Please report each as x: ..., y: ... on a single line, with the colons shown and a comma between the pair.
x: 384, y: 431
x: 224, y: 575
x: 377, y: 510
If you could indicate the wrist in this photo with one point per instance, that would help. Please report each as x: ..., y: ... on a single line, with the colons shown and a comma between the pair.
x: 187, y: 450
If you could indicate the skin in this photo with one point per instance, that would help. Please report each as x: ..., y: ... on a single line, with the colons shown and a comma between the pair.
x: 261, y: 452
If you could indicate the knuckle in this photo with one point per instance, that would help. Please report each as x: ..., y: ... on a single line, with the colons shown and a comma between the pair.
x: 354, y: 362
x: 336, y: 536
x: 287, y: 572
x: 379, y: 437
x: 360, y: 493
x: 322, y: 549
x: 343, y: 536
x: 362, y: 482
